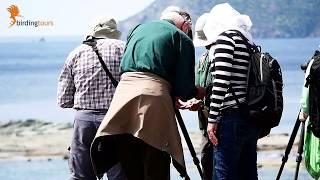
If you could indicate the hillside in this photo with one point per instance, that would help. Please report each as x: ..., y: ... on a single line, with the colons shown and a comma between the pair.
x: 271, y: 19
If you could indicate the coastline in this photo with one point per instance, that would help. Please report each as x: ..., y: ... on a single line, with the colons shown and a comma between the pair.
x: 34, y: 139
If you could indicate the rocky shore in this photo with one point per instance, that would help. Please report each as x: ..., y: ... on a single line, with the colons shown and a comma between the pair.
x: 33, y: 139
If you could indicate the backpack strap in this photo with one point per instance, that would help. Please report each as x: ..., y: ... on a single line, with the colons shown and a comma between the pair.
x: 234, y: 95
x: 308, y: 81
x: 91, y: 41
x: 251, y: 47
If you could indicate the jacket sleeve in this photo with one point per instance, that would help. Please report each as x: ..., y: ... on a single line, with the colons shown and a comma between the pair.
x: 184, y: 80
x: 223, y: 52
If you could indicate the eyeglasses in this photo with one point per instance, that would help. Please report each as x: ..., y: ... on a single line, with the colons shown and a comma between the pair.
x: 186, y: 17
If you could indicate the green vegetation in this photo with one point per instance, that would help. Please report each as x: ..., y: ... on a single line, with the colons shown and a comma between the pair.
x: 271, y: 18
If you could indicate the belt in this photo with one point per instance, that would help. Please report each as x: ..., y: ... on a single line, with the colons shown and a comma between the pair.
x: 94, y: 110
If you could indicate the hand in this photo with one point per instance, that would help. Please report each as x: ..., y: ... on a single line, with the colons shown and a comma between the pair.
x: 212, y: 133
x: 181, y: 104
x: 195, y: 104
x: 303, y: 116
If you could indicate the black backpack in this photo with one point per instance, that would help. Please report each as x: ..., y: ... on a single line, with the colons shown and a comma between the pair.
x: 313, y: 82
x: 264, y: 102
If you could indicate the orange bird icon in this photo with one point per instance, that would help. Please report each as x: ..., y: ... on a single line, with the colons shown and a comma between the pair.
x: 14, y: 12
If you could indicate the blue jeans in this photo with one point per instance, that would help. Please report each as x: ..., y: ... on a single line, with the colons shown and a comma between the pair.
x: 235, y: 155
x: 86, y: 124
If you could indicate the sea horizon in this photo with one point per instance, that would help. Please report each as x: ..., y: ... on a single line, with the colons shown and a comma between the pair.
x: 29, y: 69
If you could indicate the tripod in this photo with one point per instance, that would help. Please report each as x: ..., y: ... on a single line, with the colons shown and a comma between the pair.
x: 289, y: 147
x: 189, y: 143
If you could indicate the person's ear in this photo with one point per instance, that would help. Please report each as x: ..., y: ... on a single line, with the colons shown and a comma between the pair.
x: 185, y: 27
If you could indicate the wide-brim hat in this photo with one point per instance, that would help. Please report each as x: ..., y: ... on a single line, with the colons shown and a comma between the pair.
x: 199, y: 38
x: 222, y: 18
x: 105, y: 27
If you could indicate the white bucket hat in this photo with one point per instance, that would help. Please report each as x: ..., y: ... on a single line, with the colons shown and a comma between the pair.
x: 200, y: 38
x: 223, y: 17
x: 105, y: 27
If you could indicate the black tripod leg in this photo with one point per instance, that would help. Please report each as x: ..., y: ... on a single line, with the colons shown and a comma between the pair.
x: 188, y: 141
x: 300, y: 151
x: 289, y: 146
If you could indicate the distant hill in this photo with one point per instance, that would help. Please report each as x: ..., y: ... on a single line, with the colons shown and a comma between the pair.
x: 271, y: 19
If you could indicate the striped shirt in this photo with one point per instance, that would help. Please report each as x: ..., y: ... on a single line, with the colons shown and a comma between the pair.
x: 230, y: 59
x: 83, y: 84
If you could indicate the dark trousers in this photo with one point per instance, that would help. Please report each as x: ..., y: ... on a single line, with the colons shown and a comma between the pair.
x: 141, y: 161
x: 206, y: 146
x: 207, y: 162
x: 236, y: 153
x: 86, y: 124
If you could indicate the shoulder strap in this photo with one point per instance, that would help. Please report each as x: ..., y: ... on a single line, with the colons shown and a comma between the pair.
x: 92, y: 42
x: 308, y: 79
x: 246, y: 41
x: 251, y: 47
x: 234, y: 96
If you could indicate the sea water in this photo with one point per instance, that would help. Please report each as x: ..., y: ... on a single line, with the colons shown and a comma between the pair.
x: 57, y: 169
x: 29, y: 70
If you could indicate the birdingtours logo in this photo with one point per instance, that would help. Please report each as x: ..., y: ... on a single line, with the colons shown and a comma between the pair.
x: 14, y: 12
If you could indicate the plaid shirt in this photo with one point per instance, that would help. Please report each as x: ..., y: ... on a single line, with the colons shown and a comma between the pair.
x: 83, y: 84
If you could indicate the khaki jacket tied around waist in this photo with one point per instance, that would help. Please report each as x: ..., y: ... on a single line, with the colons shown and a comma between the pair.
x: 142, y: 106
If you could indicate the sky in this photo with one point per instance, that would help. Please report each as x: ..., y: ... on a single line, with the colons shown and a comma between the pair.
x: 69, y: 17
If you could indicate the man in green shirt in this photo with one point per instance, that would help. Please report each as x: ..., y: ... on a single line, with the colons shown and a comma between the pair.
x: 140, y: 130
x: 159, y: 47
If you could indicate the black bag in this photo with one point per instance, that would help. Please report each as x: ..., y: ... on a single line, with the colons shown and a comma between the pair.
x: 264, y: 102
x: 313, y: 82
x: 264, y: 93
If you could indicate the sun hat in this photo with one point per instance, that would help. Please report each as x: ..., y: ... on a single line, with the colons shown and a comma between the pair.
x: 105, y: 27
x: 223, y: 17
x: 200, y: 38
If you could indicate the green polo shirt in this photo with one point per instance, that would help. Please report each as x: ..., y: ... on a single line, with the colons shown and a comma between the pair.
x: 159, y: 47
